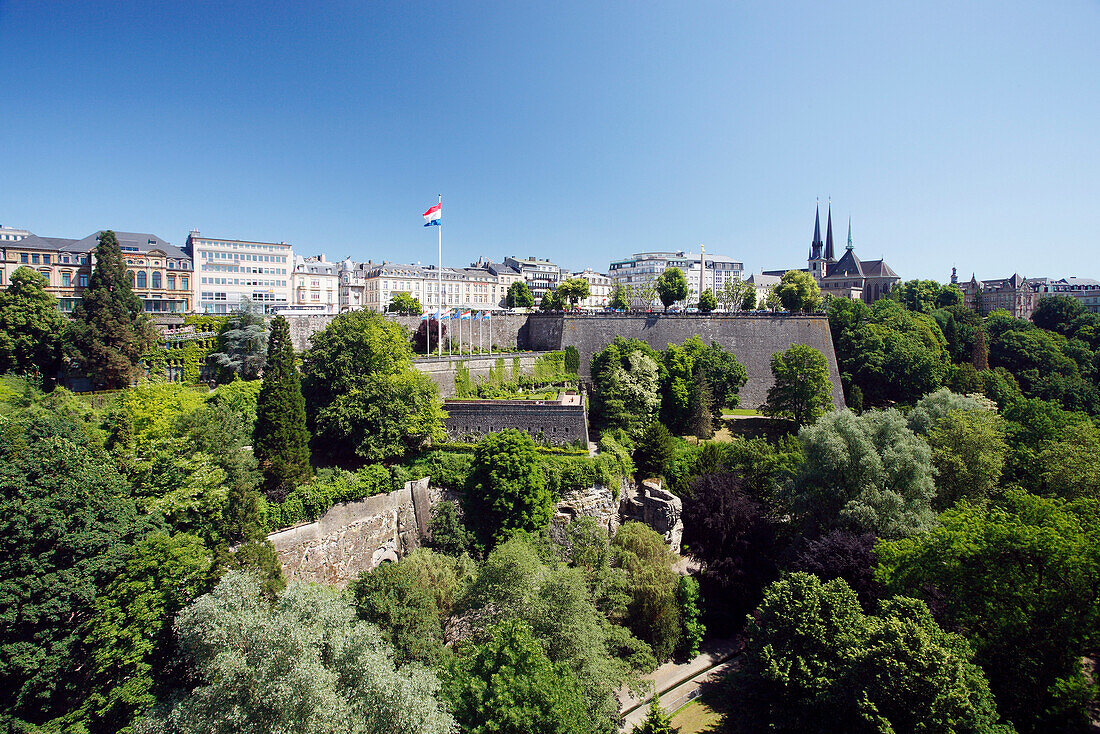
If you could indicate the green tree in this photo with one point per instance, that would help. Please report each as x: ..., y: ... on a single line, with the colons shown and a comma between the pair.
x: 653, y: 613
x: 30, y: 326
x: 130, y: 636
x: 405, y: 303
x: 572, y: 361
x: 968, y: 454
x: 980, y: 351
x: 892, y: 354
x: 508, y: 685
x: 687, y: 595
x: 519, y: 296
x: 707, y: 301
x: 937, y: 405
x: 242, y: 345
x: 280, y: 439
x: 815, y: 662
x: 1019, y: 578
x: 672, y: 286
x: 365, y: 402
x: 868, y: 473
x: 109, y: 332
x: 656, y: 721
x: 802, y: 390
x: 394, y: 597
x: 507, y: 488
x: 734, y: 294
x: 1070, y: 464
x: 798, y: 291
x: 654, y: 449
x: 625, y: 379
x: 299, y: 663
x: 1057, y: 313
x: 573, y: 290
x: 448, y: 534
x: 551, y: 301
x: 749, y: 300
x: 698, y: 379
x: 620, y: 298
x: 67, y: 522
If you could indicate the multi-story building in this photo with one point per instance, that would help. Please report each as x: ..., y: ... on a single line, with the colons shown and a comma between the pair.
x: 505, y: 274
x: 1085, y: 290
x: 11, y: 234
x: 160, y: 274
x: 482, y: 286
x: 599, y: 289
x: 711, y: 272
x: 1014, y: 294
x: 315, y: 285
x: 540, y: 275
x: 234, y: 274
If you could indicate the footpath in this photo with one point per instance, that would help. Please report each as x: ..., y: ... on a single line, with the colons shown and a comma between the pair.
x: 677, y: 683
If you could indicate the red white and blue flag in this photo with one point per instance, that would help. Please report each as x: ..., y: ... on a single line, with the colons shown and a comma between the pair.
x: 434, y: 216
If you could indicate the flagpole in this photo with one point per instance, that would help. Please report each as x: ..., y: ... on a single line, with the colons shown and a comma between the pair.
x: 439, y: 321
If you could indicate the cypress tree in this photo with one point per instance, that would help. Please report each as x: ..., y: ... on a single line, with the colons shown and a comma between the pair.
x: 979, y: 353
x: 109, y: 331
x: 280, y: 440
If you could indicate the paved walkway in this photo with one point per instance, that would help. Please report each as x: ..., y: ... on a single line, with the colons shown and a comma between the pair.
x: 675, y: 681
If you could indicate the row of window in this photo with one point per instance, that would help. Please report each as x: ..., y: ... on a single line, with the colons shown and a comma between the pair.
x: 244, y: 281
x: 249, y: 257
x: 141, y: 280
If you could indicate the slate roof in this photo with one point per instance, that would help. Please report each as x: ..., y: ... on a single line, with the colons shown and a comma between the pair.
x: 34, y: 242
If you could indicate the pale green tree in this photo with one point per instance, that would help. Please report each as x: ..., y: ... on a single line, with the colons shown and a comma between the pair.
x: 299, y: 663
x: 802, y: 389
x: 867, y: 472
x: 573, y: 290
x: 798, y: 291
x: 672, y: 286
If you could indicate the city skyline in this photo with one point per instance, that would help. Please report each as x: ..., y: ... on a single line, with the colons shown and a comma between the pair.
x: 575, y: 133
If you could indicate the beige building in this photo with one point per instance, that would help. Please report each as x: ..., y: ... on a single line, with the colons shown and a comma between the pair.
x: 599, y: 289
x: 481, y: 287
x: 1014, y: 294
x: 160, y: 274
x: 315, y: 285
x: 233, y: 274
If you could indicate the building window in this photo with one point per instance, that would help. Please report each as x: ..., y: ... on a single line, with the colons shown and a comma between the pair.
x: 45, y: 259
x: 156, y: 279
x: 171, y: 282
x: 66, y: 279
x: 23, y: 257
x: 83, y: 281
x: 34, y: 259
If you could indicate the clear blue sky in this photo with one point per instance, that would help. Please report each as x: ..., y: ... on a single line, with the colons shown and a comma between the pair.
x: 953, y: 133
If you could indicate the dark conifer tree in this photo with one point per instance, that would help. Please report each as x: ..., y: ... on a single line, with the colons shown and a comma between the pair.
x: 109, y: 331
x: 280, y: 439
x: 979, y: 354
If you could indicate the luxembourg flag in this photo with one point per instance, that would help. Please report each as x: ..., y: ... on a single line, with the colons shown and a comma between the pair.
x: 465, y: 315
x: 424, y: 316
x: 434, y: 216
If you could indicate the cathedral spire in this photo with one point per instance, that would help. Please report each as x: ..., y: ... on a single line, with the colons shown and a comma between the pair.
x: 829, y: 235
x: 850, y: 233
x: 815, y: 246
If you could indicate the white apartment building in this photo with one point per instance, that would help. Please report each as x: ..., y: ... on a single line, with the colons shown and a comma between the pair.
x: 483, y: 286
x: 540, y: 275
x: 315, y: 285
x: 1085, y: 290
x: 11, y: 234
x: 231, y: 273
x: 710, y: 271
x: 599, y: 289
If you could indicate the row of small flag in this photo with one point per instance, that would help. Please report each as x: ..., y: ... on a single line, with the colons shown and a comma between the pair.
x: 463, y: 315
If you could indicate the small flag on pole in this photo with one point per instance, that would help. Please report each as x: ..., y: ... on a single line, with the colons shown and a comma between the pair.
x: 465, y: 315
x: 424, y: 316
x: 434, y: 216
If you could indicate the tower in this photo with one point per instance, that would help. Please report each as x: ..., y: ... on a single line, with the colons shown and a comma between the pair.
x: 816, y: 260
x: 829, y: 237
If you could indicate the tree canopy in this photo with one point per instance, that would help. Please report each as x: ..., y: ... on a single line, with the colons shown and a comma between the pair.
x: 802, y: 390
x: 798, y: 291
x: 507, y: 488
x: 519, y: 295
x: 405, y: 303
x: 573, y: 290
x: 280, y: 438
x: 30, y: 326
x: 672, y: 286
x: 365, y: 402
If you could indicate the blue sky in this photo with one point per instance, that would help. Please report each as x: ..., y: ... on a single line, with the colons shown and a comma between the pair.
x: 963, y: 134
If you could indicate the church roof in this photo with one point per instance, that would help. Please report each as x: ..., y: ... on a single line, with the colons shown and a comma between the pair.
x: 848, y: 266
x: 878, y: 269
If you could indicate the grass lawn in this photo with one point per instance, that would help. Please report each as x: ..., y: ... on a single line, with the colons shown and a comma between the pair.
x: 731, y: 412
x: 696, y: 717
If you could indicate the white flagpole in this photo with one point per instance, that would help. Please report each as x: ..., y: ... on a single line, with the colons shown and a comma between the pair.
x: 490, y: 333
x: 439, y: 321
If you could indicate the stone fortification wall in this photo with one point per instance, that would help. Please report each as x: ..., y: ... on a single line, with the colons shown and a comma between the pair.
x: 442, y: 370
x: 754, y: 338
x: 509, y: 330
x: 555, y: 423
x: 356, y: 536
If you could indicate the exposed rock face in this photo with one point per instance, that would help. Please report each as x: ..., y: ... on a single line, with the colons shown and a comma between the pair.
x: 356, y: 536
x: 597, y: 502
x: 657, y: 508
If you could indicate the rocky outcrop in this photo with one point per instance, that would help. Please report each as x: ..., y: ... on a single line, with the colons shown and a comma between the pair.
x: 657, y: 508
x: 597, y: 502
